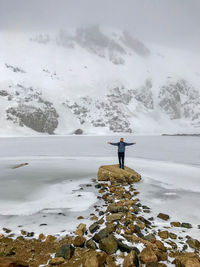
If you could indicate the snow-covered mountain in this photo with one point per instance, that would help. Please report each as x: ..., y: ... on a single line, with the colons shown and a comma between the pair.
x: 95, y: 80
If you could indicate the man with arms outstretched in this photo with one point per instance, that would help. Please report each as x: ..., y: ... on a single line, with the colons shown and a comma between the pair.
x: 121, y: 150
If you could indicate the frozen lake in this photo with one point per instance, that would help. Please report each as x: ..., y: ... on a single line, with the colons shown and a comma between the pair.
x: 46, y: 195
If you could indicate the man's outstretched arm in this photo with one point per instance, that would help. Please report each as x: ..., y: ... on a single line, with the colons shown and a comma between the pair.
x: 129, y: 144
x: 114, y: 144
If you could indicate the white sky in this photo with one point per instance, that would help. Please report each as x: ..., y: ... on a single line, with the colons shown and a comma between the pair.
x: 169, y: 22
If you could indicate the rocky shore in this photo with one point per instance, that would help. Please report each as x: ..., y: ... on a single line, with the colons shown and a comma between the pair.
x: 121, y: 234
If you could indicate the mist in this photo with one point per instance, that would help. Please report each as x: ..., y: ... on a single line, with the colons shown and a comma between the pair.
x: 167, y: 22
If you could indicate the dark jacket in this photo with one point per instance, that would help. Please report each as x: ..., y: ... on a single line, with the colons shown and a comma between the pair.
x: 121, y: 145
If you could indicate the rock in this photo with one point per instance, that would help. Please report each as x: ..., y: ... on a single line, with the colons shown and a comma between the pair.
x: 149, y: 237
x: 114, y: 217
x: 186, y: 225
x: 79, y: 241
x: 148, y: 255
x: 94, y: 218
x: 131, y: 260
x: 41, y: 237
x: 78, y: 131
x: 125, y: 248
x: 91, y: 244
x: 160, y: 245
x: 6, y: 230
x: 108, y: 244
x: 172, y: 235
x: 163, y: 216
x: 80, y: 218
x: 93, y: 258
x: 114, y: 208
x: 97, y: 186
x: 20, y: 165
x: 163, y: 234
x: 81, y: 229
x: 162, y: 256
x: 175, y: 224
x: 114, y: 174
x: 187, y: 259
x: 12, y: 262
x: 193, y: 243
x: 56, y: 261
x: 42, y: 117
x: 94, y: 227
x: 101, y: 234
x: 66, y: 252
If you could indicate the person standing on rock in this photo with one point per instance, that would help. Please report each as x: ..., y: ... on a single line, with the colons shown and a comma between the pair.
x: 121, y: 150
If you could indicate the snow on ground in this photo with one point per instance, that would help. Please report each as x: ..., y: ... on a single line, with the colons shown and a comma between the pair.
x: 46, y: 196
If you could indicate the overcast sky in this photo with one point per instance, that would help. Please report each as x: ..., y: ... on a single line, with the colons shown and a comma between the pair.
x: 169, y: 22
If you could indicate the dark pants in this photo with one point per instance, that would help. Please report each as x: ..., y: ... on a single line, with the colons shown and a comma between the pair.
x: 121, y: 159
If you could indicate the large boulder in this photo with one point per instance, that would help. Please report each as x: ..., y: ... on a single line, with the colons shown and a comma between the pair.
x: 114, y: 174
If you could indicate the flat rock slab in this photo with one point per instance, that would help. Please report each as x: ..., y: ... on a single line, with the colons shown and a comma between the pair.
x: 114, y: 174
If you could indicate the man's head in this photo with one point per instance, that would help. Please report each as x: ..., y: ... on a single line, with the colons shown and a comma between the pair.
x: 121, y: 139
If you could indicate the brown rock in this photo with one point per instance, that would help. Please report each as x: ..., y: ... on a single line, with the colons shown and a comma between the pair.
x: 114, y: 217
x: 148, y: 255
x: 50, y: 238
x: 93, y: 258
x: 108, y: 244
x: 56, y: 261
x: 41, y: 237
x: 172, y: 235
x: 114, y: 174
x: 131, y: 260
x: 163, y: 216
x: 160, y: 245
x: 187, y: 259
x: 163, y: 234
x: 81, y: 229
x: 175, y: 224
x: 79, y: 241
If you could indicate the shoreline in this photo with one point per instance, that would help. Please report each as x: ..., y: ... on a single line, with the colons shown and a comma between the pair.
x: 121, y: 212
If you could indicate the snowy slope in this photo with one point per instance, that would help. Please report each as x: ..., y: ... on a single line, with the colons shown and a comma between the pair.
x: 96, y: 79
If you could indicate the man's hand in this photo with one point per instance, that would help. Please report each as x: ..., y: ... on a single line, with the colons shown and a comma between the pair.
x: 108, y: 142
x: 134, y: 143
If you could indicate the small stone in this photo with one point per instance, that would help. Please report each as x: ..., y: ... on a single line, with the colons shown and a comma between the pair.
x: 6, y: 230
x: 193, y: 243
x: 186, y: 225
x: 163, y: 234
x: 101, y: 234
x: 148, y: 255
x: 94, y: 218
x: 97, y: 186
x: 108, y: 244
x: 172, y: 235
x: 163, y: 216
x: 114, y: 217
x: 93, y: 258
x: 56, y: 261
x: 131, y: 260
x: 79, y: 241
x: 81, y: 229
x: 41, y: 237
x: 94, y: 227
x: 175, y: 224
x: 149, y: 237
x: 66, y: 252
x: 91, y: 244
x: 80, y: 218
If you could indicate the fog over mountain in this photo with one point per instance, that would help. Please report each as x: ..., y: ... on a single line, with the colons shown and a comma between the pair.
x: 99, y: 67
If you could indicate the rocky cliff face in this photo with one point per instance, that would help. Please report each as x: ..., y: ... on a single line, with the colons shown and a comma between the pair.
x: 98, y: 81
